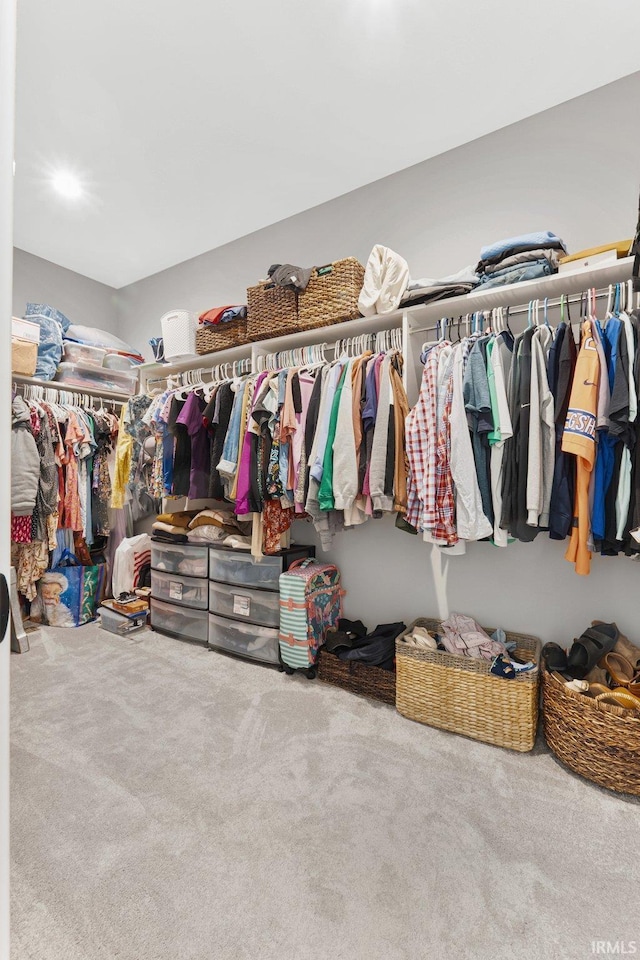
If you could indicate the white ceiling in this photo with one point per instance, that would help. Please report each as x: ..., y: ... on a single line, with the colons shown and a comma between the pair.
x: 194, y: 123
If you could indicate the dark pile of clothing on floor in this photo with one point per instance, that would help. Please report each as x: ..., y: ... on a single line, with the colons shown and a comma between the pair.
x: 352, y: 641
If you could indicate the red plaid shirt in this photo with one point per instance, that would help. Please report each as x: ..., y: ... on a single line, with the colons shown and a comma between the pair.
x: 421, y: 439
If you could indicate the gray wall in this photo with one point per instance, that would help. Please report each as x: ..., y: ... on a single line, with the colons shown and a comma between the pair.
x: 566, y: 170
x: 82, y: 300
x: 558, y: 170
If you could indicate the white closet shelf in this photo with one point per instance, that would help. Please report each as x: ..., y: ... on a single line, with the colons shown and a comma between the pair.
x: 413, y: 320
x: 569, y: 282
x: 337, y: 331
x: 153, y: 369
x: 69, y: 388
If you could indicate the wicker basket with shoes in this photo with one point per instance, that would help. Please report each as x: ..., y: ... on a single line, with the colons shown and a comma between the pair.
x: 600, y: 741
x: 331, y: 295
x: 272, y: 311
x: 460, y: 694
x: 592, y: 722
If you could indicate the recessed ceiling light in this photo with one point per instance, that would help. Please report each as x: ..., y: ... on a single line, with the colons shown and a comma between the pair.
x: 67, y: 185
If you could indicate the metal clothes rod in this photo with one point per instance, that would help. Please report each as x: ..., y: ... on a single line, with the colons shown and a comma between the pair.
x: 516, y: 311
x: 110, y: 396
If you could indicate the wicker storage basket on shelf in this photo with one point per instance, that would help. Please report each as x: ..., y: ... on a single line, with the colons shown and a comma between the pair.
x: 459, y: 693
x: 358, y: 677
x: 272, y: 311
x: 599, y: 741
x: 331, y: 295
x: 221, y: 336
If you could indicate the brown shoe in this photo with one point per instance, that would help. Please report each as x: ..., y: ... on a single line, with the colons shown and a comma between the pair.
x: 625, y: 647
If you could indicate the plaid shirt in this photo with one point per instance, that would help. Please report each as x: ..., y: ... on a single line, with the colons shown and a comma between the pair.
x: 444, y: 529
x: 421, y: 439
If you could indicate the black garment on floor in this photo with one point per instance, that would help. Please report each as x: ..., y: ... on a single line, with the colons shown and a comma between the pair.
x: 377, y: 649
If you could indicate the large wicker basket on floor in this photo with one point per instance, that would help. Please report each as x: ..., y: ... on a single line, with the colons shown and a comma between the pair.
x: 599, y: 741
x: 459, y: 693
x: 221, y: 336
x: 331, y: 295
x: 358, y: 677
x: 272, y: 311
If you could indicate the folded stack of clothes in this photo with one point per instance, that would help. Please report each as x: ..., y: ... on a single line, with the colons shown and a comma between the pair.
x: 172, y: 527
x: 528, y: 257
x: 203, y: 526
x: 427, y: 290
x: 222, y: 527
x: 211, y: 318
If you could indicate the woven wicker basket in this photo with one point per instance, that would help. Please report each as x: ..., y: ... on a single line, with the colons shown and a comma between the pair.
x: 331, y: 295
x: 599, y: 741
x: 221, y: 336
x: 272, y: 311
x: 459, y: 693
x: 358, y: 677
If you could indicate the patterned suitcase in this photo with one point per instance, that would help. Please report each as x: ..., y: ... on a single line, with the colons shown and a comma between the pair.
x: 310, y: 603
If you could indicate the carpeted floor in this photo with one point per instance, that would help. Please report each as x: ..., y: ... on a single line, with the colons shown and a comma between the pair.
x: 169, y: 803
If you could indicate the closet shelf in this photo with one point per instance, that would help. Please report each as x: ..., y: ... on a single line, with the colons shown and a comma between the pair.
x: 414, y: 319
x: 571, y: 282
x: 69, y: 388
x: 206, y: 360
x: 337, y: 331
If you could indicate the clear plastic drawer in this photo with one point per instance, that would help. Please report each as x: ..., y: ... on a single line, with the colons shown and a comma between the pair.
x: 242, y: 603
x: 179, y: 622
x: 227, y: 566
x: 185, y: 591
x: 243, y: 639
x: 183, y: 559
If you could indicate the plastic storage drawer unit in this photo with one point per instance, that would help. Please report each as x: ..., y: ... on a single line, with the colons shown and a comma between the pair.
x: 185, y: 591
x: 181, y: 558
x: 97, y: 378
x: 179, y: 622
x: 242, y: 603
x: 244, y: 639
x: 83, y: 353
x: 229, y: 566
x: 241, y: 569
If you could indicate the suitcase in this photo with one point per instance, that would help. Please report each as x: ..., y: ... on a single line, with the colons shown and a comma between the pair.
x: 310, y: 603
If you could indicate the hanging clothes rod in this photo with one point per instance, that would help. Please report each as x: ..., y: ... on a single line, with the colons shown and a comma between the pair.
x: 111, y: 396
x: 602, y: 294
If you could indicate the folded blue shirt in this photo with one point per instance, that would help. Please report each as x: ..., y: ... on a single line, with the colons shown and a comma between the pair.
x: 528, y: 241
x: 524, y: 271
